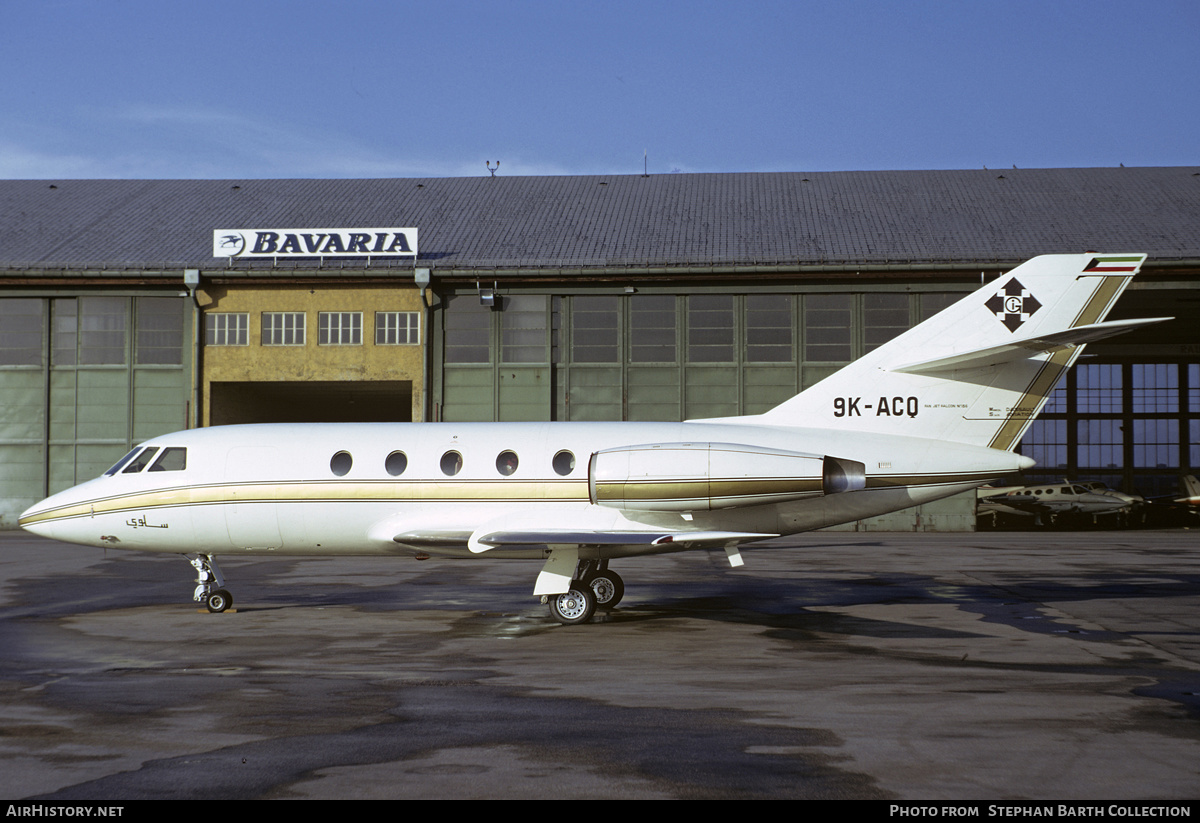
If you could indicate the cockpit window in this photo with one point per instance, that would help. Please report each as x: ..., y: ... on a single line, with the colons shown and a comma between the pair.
x: 171, y: 460
x: 117, y: 466
x: 140, y: 462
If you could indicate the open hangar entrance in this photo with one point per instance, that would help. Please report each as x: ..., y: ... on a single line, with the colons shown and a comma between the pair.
x: 315, y: 401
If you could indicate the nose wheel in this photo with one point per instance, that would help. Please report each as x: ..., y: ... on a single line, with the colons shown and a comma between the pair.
x: 219, y: 601
x: 210, y: 584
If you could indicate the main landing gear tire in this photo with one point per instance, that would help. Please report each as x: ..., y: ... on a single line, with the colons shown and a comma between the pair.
x: 608, y: 587
x: 219, y: 601
x: 577, y: 605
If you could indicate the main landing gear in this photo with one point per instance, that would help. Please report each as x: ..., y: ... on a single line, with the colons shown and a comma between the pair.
x: 595, y: 587
x: 210, y: 584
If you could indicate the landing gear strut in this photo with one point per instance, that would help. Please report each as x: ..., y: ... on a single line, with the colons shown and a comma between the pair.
x: 210, y: 584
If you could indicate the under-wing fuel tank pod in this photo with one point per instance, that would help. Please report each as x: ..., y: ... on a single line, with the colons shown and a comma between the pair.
x: 706, y: 476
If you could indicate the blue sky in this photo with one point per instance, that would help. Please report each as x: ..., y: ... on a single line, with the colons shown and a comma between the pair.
x: 360, y: 88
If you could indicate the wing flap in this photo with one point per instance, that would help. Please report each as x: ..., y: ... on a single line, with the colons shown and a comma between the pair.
x: 525, y: 539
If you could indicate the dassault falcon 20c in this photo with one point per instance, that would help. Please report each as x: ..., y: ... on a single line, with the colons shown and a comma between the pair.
x: 936, y: 411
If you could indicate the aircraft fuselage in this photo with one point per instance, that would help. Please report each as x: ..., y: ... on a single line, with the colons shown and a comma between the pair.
x: 359, y: 489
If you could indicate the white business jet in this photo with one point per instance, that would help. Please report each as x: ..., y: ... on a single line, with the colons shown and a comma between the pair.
x: 936, y: 411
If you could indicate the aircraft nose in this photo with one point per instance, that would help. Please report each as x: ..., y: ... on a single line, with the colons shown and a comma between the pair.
x: 53, y: 516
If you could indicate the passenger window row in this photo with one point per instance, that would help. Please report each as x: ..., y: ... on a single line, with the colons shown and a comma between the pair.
x: 396, y: 463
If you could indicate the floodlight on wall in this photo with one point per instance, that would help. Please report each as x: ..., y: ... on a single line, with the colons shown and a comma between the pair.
x: 487, y: 297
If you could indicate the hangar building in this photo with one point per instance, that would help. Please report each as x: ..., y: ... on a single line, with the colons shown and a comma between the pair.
x: 660, y: 297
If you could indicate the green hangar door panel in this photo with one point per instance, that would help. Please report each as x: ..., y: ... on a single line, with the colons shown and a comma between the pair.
x: 253, y: 519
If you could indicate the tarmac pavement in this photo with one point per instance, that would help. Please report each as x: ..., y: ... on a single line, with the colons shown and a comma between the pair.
x: 1055, y: 666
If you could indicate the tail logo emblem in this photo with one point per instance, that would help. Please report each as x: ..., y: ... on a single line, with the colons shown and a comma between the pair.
x: 1013, y: 305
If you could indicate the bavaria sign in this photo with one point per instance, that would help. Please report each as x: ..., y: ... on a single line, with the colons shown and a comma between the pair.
x: 315, y: 242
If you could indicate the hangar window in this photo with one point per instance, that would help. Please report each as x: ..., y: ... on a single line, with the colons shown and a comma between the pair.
x: 340, y: 328
x: 397, y: 328
x: 452, y: 463
x: 506, y: 462
x: 227, y: 329
x: 340, y: 463
x: 564, y: 463
x: 884, y: 316
x: 769, y: 328
x: 1155, y: 388
x: 283, y: 328
x: 827, y: 323
x: 1101, y: 443
x: 523, y: 335
x: 171, y: 460
x: 1098, y: 388
x: 21, y: 332
x: 594, y: 324
x: 396, y: 463
x: 159, y: 335
x: 710, y: 328
x: 468, y: 326
x: 102, y: 325
x: 652, y: 328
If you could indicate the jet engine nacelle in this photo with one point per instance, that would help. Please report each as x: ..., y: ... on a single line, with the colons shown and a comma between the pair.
x: 705, y: 476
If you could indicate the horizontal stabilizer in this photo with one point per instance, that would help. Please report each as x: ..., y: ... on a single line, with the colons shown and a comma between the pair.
x: 556, y: 537
x: 1027, y: 347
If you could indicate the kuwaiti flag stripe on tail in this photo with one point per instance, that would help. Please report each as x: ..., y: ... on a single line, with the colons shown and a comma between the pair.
x: 1113, y: 263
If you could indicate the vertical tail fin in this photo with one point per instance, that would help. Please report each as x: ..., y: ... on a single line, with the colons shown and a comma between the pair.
x: 981, y: 370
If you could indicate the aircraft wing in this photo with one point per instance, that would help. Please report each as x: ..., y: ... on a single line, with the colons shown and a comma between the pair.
x: 501, y: 540
x: 1022, y: 503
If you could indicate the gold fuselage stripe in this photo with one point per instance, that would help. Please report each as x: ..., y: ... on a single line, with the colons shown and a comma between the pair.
x: 483, y: 491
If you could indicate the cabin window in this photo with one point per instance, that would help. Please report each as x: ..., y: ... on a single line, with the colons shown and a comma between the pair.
x: 564, y: 463
x: 117, y: 466
x: 171, y: 460
x: 506, y: 462
x: 452, y: 463
x: 396, y: 463
x: 139, y: 462
x: 340, y: 463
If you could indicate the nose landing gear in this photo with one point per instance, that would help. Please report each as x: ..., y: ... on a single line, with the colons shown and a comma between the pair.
x: 210, y: 584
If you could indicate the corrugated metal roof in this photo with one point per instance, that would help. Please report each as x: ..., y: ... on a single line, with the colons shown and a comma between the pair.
x: 784, y: 218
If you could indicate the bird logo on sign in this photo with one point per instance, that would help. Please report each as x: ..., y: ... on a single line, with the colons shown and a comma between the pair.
x: 1013, y: 305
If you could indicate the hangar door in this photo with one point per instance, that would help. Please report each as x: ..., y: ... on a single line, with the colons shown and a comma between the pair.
x: 82, y: 379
